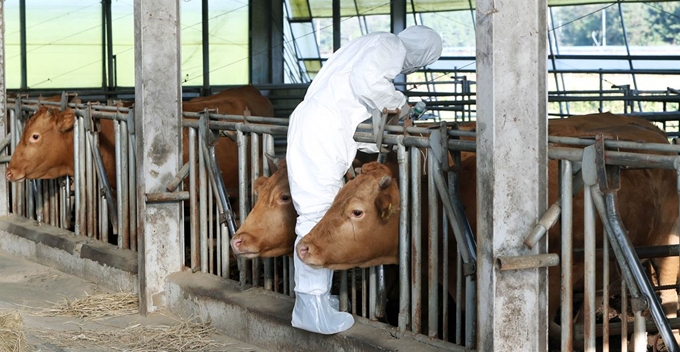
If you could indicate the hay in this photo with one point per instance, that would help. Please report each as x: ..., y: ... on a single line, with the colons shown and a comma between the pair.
x: 95, y: 306
x: 12, y: 337
x: 185, y: 336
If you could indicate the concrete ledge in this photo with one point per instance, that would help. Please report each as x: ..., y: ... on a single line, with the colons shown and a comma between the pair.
x: 263, y: 318
x: 254, y: 316
x: 60, y: 249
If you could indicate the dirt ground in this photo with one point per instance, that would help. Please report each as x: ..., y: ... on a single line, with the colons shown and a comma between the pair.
x: 39, y: 294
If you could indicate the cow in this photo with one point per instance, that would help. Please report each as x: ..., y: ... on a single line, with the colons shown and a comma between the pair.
x: 360, y: 228
x: 45, y: 150
x: 269, y: 228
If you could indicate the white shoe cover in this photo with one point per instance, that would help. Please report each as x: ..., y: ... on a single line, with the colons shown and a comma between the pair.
x: 315, y: 313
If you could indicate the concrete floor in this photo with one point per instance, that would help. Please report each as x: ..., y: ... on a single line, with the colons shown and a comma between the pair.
x: 28, y: 287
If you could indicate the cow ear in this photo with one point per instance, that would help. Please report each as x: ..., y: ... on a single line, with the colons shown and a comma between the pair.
x: 384, y: 204
x: 258, y: 183
x: 65, y: 120
x: 273, y: 162
x: 385, y: 182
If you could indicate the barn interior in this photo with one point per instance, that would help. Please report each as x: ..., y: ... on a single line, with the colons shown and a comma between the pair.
x: 491, y: 255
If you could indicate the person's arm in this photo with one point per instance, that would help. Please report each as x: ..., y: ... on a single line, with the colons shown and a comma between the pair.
x: 371, y: 79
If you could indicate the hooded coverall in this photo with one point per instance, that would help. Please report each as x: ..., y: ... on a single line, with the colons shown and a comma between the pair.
x: 352, y: 84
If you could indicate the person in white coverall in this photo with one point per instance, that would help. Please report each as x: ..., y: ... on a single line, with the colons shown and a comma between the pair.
x: 354, y: 83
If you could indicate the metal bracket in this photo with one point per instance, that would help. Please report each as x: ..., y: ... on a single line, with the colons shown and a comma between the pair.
x: 609, y: 180
x: 209, y: 136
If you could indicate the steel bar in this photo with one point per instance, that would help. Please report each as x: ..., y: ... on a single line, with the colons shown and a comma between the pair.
x: 372, y: 293
x: 197, y: 252
x: 119, y: 179
x: 640, y: 333
x: 416, y: 241
x: 404, y: 240
x: 254, y: 174
x: 433, y: 250
x: 181, y: 174
x: 527, y: 261
x: 167, y: 197
x: 243, y: 191
x: 639, y: 276
x: 605, y: 293
x: 132, y: 181
x: 196, y: 203
x: 619, y: 158
x: 566, y: 245
x: 79, y: 178
x: 589, y: 308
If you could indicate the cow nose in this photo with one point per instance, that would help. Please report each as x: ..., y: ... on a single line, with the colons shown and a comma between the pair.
x: 302, y: 250
x: 8, y: 174
x: 236, y: 243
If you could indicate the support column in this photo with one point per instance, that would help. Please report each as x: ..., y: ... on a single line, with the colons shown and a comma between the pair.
x: 158, y: 97
x: 398, y: 24
x: 4, y: 122
x: 266, y: 41
x: 512, y: 174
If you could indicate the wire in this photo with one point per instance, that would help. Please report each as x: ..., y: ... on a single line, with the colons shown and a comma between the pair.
x: 584, y: 16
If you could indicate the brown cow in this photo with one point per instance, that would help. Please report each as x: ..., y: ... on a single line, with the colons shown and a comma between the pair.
x: 269, y: 229
x: 359, y: 229
x: 45, y: 150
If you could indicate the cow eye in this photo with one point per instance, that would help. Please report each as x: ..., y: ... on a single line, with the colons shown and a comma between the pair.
x: 35, y: 137
x: 357, y: 213
x: 285, y: 198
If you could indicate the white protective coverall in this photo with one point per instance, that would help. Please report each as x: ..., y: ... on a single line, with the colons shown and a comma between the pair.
x: 354, y: 82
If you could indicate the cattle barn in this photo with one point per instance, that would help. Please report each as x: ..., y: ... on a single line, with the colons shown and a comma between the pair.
x: 528, y: 202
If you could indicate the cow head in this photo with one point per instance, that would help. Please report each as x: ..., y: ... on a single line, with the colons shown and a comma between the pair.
x: 361, y: 228
x: 45, y: 150
x: 269, y: 229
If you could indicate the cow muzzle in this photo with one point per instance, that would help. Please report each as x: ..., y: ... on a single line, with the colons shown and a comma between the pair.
x: 13, y: 176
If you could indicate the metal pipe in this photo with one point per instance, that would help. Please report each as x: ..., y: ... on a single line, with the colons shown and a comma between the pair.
x: 639, y: 276
x: 527, y: 261
x: 181, y: 174
x: 122, y: 192
x: 132, y: 180
x: 637, y: 160
x: 119, y: 179
x: 91, y: 189
x: 194, y: 183
x: 433, y: 250
x: 416, y: 241
x: 198, y: 249
x: 242, y: 191
x: 466, y: 245
x: 605, y: 293
x: 254, y: 174
x: 403, y: 318
x: 372, y: 293
x: 52, y: 204
x: 37, y: 190
x: 566, y: 245
x: 161, y: 197
x: 23, y: 44
x: 589, y: 308
x: 79, y: 176
x: 639, y: 332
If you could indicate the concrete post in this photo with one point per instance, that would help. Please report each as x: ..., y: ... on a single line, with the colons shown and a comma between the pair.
x: 266, y: 41
x: 158, y: 96
x: 512, y: 174
x: 4, y: 189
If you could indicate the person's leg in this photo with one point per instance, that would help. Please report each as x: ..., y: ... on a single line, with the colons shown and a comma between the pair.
x: 313, y: 185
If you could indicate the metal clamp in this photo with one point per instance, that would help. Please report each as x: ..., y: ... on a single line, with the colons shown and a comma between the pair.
x: 609, y: 180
